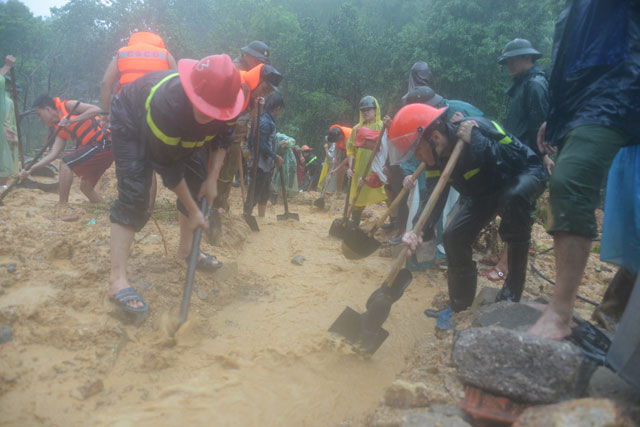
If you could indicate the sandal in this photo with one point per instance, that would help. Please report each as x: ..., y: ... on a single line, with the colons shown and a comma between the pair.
x: 123, y: 296
x: 494, y: 274
x: 208, y: 262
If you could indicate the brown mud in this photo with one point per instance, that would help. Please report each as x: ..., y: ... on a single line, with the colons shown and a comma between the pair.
x: 255, y: 350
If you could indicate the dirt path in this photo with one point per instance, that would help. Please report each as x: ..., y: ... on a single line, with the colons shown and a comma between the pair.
x: 256, y: 351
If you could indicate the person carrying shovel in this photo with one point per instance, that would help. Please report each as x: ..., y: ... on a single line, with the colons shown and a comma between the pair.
x: 496, y: 173
x: 158, y: 122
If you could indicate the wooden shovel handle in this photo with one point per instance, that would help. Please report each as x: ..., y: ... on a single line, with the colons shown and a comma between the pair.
x: 366, y: 171
x: 241, y: 176
x: 428, y: 209
x: 396, y: 201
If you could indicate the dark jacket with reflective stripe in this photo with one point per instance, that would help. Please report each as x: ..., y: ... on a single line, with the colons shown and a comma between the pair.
x: 489, y: 162
x: 529, y: 94
x: 595, y: 74
x: 172, y: 113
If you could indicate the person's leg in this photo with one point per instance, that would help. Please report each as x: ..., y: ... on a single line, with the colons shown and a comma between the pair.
x: 585, y: 156
x: 457, y: 239
x: 153, y: 192
x: 121, y: 239
x: 65, y: 179
x: 87, y: 186
x: 262, y: 210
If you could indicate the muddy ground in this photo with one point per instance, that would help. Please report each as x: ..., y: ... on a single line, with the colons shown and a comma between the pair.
x: 255, y: 351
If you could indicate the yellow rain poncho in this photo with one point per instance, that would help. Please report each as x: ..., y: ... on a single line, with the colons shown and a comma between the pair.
x: 368, y: 196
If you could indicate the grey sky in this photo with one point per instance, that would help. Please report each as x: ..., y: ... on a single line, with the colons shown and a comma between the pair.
x: 41, y: 7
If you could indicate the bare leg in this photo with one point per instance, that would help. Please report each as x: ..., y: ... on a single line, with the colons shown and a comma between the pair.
x: 65, y: 179
x: 262, y: 210
x: 88, y: 189
x: 153, y: 191
x: 186, y: 237
x: 572, y: 252
x: 121, y: 238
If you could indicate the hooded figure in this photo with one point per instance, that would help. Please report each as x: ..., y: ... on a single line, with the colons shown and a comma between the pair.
x: 420, y: 75
x: 357, y: 148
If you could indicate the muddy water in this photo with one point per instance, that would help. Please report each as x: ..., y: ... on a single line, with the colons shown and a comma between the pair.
x: 272, y: 362
x: 256, y: 351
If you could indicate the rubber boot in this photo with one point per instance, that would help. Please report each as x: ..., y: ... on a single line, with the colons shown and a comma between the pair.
x: 462, y: 284
x: 517, y: 254
x: 356, y: 216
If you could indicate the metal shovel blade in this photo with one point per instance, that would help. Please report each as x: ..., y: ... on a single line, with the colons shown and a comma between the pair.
x: 319, y: 203
x: 350, y: 326
x: 357, y: 244
x: 288, y: 215
x: 337, y: 229
x: 251, y: 220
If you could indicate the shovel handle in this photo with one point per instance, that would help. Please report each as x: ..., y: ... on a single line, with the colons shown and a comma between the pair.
x: 366, y: 171
x: 241, y: 174
x: 284, y: 190
x: 256, y: 155
x: 428, y: 209
x: 396, y: 201
x: 191, y: 271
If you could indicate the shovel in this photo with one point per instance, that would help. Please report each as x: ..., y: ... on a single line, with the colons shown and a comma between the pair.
x: 359, y: 244
x: 336, y: 229
x: 191, y: 272
x: 365, y: 330
x: 247, y: 215
x: 286, y: 215
x: 35, y: 159
x: 319, y: 203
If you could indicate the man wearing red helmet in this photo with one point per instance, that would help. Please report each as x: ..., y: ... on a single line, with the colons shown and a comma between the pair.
x: 158, y: 122
x: 496, y: 174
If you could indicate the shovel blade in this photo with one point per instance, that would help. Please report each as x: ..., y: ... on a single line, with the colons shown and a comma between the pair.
x: 251, y: 220
x: 319, y: 203
x: 350, y: 326
x: 337, y: 229
x: 395, y: 291
x: 288, y: 215
x: 357, y: 244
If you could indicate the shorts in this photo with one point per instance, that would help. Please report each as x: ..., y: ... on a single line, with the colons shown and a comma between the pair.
x: 89, y: 162
x: 574, y: 189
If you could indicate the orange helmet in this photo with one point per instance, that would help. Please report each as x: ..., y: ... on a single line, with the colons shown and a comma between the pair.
x: 407, y: 128
x: 305, y: 148
x: 213, y: 85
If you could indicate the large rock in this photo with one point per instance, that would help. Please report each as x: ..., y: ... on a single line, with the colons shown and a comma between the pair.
x: 507, y: 314
x: 575, y: 413
x: 523, y: 367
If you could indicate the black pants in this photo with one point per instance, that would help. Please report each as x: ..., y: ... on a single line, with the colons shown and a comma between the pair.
x: 515, y: 204
x: 396, y: 177
x: 262, y: 190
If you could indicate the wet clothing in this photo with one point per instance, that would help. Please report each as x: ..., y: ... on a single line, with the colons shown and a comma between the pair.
x: 312, y: 171
x: 90, y: 162
x: 496, y: 174
x: 284, y: 148
x: 266, y: 160
x: 154, y: 128
x: 229, y: 168
x: 420, y: 75
x: 7, y: 163
x: 595, y: 75
x: 529, y: 94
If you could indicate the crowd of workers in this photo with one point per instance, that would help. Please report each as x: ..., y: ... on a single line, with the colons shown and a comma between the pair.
x: 190, y: 122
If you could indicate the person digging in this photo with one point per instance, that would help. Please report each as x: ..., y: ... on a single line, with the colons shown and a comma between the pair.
x: 158, y: 122
x: 496, y: 173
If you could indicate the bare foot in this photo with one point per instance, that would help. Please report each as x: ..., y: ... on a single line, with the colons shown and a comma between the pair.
x: 118, y: 285
x: 551, y: 325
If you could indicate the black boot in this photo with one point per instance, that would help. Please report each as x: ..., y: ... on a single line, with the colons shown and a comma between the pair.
x: 517, y: 254
x: 356, y: 216
x: 462, y: 284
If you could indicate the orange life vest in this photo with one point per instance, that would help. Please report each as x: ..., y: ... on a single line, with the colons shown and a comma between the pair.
x: 250, y: 81
x: 144, y: 53
x: 346, y: 132
x: 84, y: 132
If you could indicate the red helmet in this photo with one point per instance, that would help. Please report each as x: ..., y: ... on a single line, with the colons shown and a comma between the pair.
x: 213, y: 86
x: 408, y: 126
x: 305, y: 148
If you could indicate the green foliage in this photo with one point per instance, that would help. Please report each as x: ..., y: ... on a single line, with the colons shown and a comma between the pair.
x: 331, y: 53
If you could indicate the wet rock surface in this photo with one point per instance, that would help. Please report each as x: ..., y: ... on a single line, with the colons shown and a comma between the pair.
x: 520, y: 366
x: 575, y: 413
x: 506, y: 314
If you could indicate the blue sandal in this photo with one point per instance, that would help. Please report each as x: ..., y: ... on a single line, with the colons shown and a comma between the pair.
x: 123, y: 296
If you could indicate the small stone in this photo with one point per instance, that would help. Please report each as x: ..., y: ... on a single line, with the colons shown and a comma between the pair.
x: 298, y: 259
x: 11, y: 268
x: 6, y: 334
x: 575, y: 413
x: 89, y: 389
x: 520, y: 366
x: 403, y: 394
